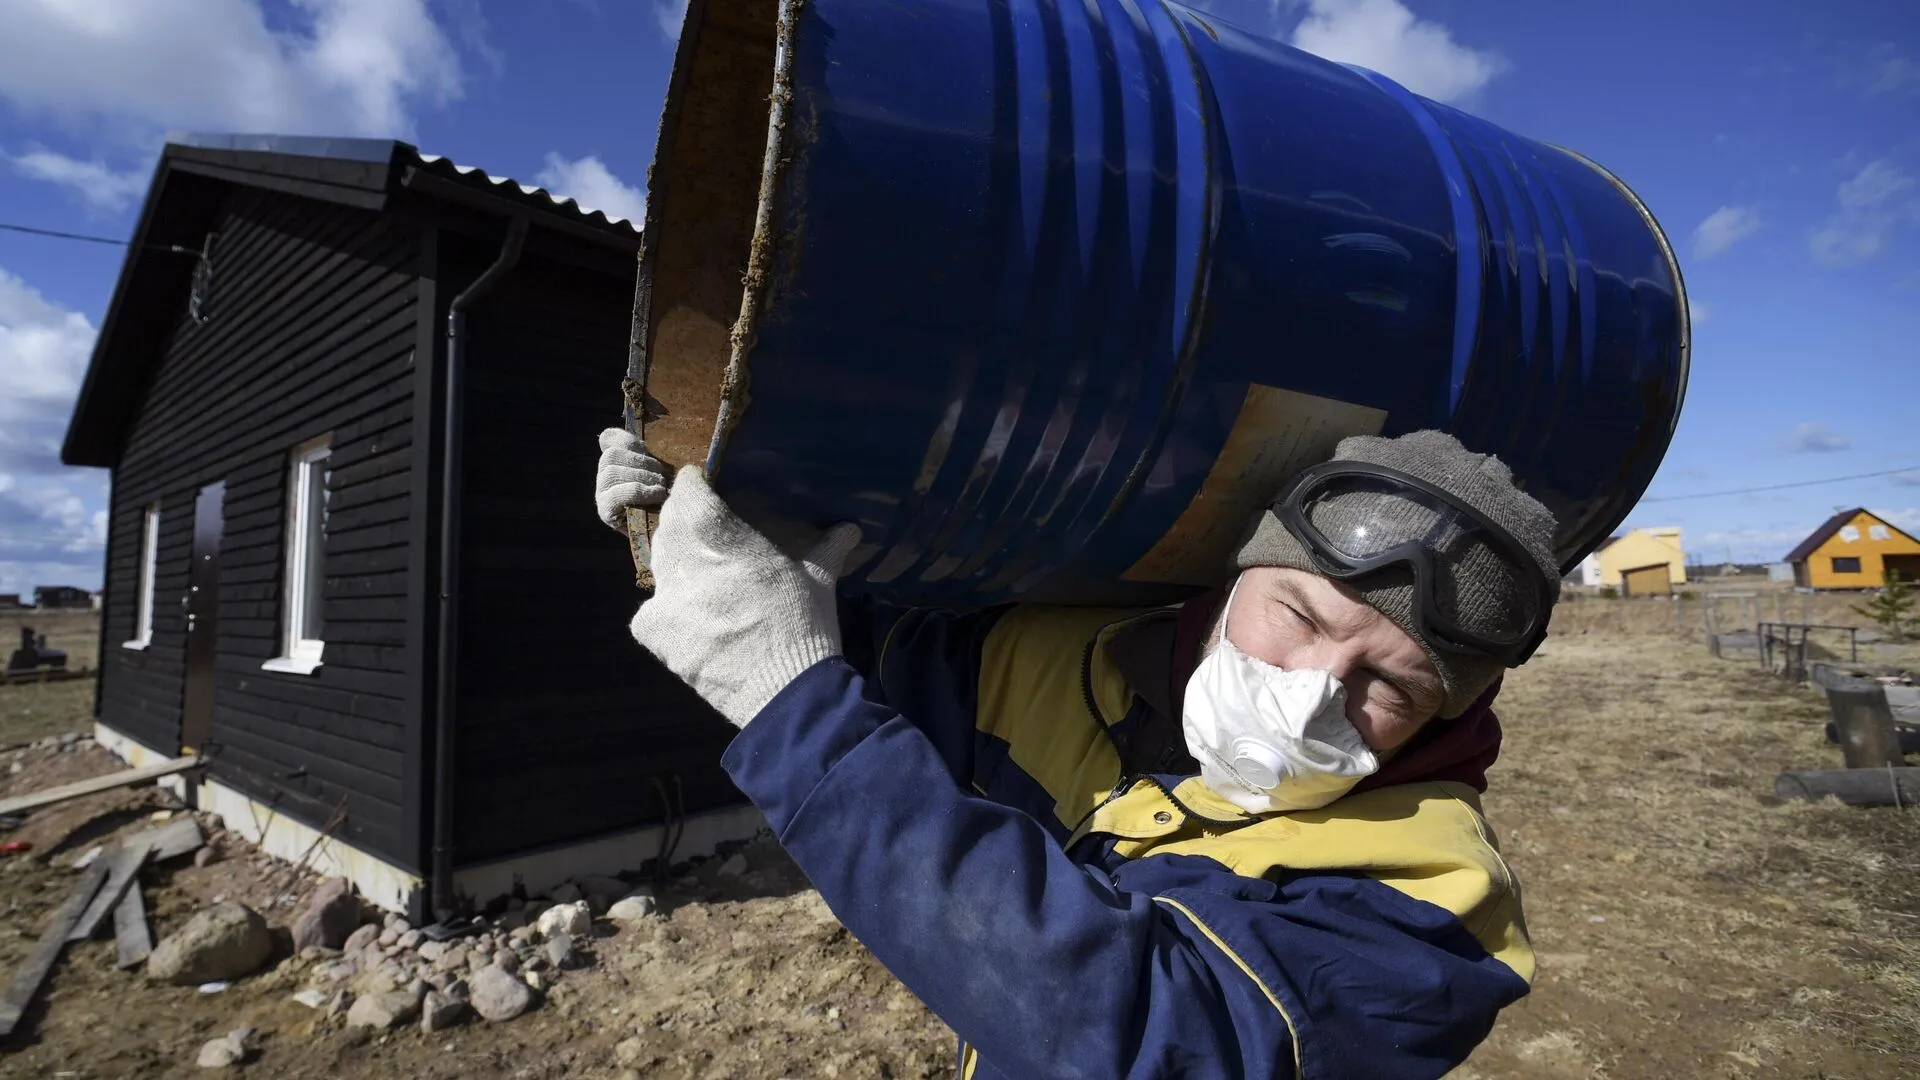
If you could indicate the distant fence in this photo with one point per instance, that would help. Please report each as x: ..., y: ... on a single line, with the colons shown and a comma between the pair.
x: 1783, y: 646
x: 1754, y: 608
x: 1698, y: 611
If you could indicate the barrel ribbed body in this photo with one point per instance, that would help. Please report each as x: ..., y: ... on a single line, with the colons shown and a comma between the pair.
x: 1057, y: 295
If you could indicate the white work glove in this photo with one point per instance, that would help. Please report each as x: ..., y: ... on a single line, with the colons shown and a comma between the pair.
x: 629, y: 477
x: 731, y: 614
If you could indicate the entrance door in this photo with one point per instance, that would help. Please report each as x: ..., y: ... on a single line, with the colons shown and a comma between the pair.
x: 203, y: 609
x: 1907, y: 566
x: 1646, y: 581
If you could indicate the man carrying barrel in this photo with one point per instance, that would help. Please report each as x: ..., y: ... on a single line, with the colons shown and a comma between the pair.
x: 1238, y: 837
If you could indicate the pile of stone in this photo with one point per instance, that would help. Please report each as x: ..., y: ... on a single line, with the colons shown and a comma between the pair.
x: 66, y: 743
x: 387, y: 973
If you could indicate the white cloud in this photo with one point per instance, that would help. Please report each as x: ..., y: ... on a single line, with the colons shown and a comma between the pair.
x: 43, y: 352
x: 18, y: 576
x: 1724, y: 228
x: 670, y: 14
x: 136, y: 68
x: 588, y: 182
x: 98, y: 185
x: 1880, y: 69
x: 1385, y: 36
x: 1749, y: 539
x: 1871, y: 209
x: 1846, y: 244
x: 52, y: 519
x: 1873, y: 185
x: 1892, y: 75
x: 1813, y: 438
x: 1697, y: 312
x: 1907, y: 519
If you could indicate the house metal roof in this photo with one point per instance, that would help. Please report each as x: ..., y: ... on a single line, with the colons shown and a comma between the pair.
x: 399, y: 154
x: 182, y: 199
x: 1820, y: 535
x: 1833, y: 525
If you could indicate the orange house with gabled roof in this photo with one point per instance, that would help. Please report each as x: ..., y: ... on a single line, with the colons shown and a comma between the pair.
x: 1854, y: 549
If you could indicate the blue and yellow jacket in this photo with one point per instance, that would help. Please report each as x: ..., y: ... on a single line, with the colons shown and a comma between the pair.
x: 981, y: 808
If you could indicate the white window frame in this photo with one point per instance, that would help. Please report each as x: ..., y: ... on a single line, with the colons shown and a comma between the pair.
x: 149, y: 571
x: 305, y: 543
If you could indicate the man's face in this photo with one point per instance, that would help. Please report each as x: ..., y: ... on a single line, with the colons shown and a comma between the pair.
x: 1300, y: 621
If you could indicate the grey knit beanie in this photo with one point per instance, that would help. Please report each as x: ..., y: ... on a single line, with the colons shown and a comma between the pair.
x: 1479, y: 594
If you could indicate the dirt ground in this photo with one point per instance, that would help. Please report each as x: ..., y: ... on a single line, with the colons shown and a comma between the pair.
x: 1689, y: 924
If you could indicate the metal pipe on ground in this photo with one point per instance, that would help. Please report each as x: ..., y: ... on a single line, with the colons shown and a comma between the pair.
x: 1855, y: 787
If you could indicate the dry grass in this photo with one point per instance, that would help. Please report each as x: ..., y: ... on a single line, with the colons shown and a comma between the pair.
x: 1690, y: 924
x: 1584, y: 611
x: 31, y: 711
x: 35, y: 711
x: 78, y: 632
x: 1685, y: 618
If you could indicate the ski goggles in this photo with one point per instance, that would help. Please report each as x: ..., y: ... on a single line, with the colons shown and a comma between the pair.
x: 1357, y: 519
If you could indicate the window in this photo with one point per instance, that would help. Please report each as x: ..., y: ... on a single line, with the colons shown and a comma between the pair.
x: 1850, y: 533
x: 306, y: 549
x: 149, y: 563
x: 1878, y: 532
x: 1846, y: 566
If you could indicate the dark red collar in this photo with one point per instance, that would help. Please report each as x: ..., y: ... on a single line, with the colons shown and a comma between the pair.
x: 1460, y: 750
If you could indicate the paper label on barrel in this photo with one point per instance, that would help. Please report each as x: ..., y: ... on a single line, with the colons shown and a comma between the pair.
x: 1277, y: 434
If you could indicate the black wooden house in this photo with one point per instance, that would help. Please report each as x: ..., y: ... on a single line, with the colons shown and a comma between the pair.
x: 349, y: 393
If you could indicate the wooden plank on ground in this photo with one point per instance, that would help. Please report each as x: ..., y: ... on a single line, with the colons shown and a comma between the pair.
x: 180, y: 836
x: 26, y: 981
x: 132, y: 940
x: 123, y: 870
x: 124, y: 778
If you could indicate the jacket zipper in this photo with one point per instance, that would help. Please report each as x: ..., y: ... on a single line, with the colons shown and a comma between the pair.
x: 1128, y: 780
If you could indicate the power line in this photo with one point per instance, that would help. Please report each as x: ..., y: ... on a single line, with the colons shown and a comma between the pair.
x: 1778, y: 487
x: 58, y: 235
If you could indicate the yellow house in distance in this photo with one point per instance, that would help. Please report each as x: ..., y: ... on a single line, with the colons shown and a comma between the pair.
x: 1854, y: 549
x: 1633, y: 562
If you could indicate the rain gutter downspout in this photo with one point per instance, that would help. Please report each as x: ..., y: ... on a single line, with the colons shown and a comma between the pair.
x: 442, y: 900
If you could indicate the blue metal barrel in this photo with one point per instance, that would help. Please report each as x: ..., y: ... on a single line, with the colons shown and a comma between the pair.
x: 1051, y: 298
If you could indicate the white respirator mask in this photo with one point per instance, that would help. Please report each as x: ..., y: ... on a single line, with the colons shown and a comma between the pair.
x: 1268, y: 739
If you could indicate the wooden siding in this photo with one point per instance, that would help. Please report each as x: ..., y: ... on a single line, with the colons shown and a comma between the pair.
x: 564, y: 723
x: 312, y: 330
x: 1871, y: 551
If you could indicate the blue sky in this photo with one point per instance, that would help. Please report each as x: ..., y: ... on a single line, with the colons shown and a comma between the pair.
x: 1779, y: 144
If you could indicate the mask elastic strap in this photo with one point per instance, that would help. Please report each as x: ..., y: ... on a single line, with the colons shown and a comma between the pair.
x: 1226, y: 612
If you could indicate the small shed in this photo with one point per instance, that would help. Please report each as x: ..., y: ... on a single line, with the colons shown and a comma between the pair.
x: 1854, y: 549
x: 348, y: 393
x: 1636, y: 549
